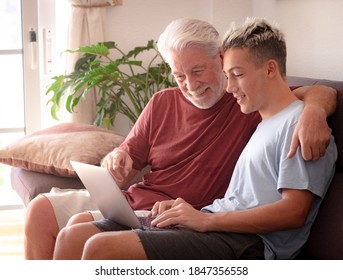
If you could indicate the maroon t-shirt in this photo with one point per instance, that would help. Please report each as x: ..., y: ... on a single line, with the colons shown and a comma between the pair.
x: 192, y: 151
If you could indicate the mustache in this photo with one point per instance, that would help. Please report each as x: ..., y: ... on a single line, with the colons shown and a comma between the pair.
x: 199, y: 90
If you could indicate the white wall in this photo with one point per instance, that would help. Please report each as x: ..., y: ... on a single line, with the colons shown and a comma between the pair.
x: 314, y: 34
x: 139, y: 20
x: 313, y: 28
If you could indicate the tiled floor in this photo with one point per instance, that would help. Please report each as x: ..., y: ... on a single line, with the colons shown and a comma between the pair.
x: 11, y: 234
x: 11, y: 219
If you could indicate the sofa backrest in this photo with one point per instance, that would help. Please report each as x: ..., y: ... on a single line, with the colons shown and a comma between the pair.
x: 326, y: 237
x: 336, y: 119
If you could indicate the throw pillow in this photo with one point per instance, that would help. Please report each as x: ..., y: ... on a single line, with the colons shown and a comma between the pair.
x: 50, y: 150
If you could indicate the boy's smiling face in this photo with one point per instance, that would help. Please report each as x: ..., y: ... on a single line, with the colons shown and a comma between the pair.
x: 245, y: 80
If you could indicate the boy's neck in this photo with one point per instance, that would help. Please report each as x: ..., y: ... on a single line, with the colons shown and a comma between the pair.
x: 280, y: 97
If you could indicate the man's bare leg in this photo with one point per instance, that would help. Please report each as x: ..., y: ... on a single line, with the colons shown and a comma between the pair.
x: 41, y: 228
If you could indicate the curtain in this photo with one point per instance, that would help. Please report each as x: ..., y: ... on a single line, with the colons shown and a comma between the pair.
x: 86, y: 27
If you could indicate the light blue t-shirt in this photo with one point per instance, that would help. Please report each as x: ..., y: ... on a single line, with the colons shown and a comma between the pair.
x: 263, y: 170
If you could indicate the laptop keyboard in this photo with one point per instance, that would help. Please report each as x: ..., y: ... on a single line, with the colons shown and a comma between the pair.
x: 146, y: 224
x: 146, y: 221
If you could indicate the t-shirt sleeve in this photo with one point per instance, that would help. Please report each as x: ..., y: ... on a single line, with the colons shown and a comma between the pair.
x: 136, y: 143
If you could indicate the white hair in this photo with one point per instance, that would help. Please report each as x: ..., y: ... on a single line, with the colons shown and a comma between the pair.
x: 185, y: 32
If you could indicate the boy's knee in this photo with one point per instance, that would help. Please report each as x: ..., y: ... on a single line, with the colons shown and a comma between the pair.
x: 114, y: 245
x: 66, y: 236
x: 94, y: 245
x: 96, y: 248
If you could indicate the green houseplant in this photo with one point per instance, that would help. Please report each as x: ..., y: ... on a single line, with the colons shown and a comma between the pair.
x: 124, y: 83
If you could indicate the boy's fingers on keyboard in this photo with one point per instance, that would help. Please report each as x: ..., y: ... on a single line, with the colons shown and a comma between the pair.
x: 154, y: 210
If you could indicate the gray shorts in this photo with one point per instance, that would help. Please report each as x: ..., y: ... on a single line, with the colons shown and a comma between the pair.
x: 185, y: 244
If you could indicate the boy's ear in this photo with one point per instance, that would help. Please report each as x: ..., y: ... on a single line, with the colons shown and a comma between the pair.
x: 272, y: 67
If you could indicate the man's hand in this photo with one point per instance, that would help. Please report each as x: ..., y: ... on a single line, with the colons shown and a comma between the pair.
x: 182, y: 214
x: 312, y: 133
x: 119, y: 163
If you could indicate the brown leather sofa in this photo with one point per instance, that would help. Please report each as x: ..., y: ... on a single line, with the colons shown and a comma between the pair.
x: 326, y: 237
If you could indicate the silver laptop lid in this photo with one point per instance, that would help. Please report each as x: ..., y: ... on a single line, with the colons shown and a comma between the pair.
x: 107, y: 195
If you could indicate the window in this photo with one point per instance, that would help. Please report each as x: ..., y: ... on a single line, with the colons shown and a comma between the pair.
x: 23, y: 73
x: 11, y: 72
x: 12, y: 122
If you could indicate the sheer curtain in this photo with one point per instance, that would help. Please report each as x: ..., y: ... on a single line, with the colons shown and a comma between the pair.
x: 86, y: 27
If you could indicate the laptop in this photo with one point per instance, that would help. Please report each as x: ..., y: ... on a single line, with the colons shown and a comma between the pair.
x: 107, y: 195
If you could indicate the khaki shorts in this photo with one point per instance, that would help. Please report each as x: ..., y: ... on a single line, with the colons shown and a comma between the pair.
x: 68, y: 202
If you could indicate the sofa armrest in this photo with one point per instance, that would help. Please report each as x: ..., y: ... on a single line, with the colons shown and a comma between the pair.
x: 29, y: 184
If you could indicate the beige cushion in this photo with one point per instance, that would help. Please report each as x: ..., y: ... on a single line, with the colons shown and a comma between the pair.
x: 50, y: 150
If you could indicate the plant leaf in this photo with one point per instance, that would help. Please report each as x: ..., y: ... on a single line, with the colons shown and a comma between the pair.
x: 124, y: 84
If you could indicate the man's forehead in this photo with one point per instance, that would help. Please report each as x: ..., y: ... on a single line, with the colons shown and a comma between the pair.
x: 178, y: 68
